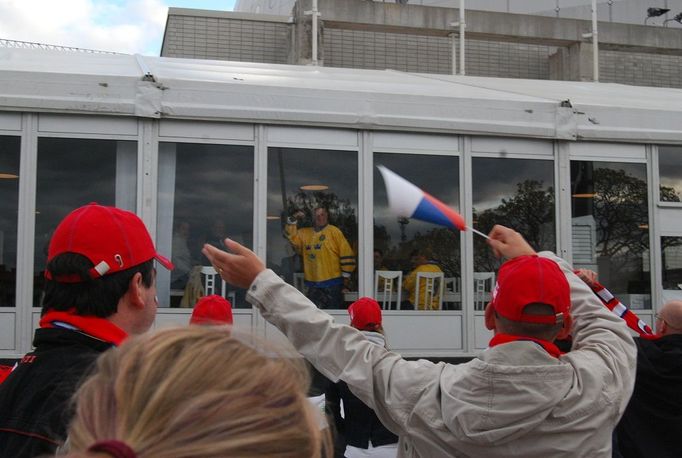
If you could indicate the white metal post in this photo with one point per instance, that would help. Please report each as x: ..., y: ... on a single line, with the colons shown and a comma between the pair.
x: 595, y: 41
x: 315, y: 12
x: 462, y: 28
x: 453, y: 42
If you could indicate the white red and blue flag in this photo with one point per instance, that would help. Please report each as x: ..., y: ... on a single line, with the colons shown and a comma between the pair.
x: 407, y: 200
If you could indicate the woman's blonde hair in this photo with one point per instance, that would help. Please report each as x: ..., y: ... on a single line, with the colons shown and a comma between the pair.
x: 198, y: 392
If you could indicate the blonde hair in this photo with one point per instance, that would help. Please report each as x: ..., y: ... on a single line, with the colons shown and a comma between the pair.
x: 198, y: 391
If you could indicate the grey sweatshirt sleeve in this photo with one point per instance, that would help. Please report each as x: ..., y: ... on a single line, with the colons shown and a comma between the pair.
x: 603, y: 350
x: 383, y: 380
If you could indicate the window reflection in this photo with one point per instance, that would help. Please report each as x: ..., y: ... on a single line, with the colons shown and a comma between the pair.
x: 671, y: 248
x: 610, y: 222
x: 74, y: 172
x: 312, y: 222
x: 205, y: 195
x: 9, y: 205
x: 670, y: 170
x: 517, y: 193
x: 415, y: 248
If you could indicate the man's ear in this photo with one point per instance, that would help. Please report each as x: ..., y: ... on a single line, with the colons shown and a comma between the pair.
x: 490, y: 317
x: 135, y: 291
x: 566, y: 327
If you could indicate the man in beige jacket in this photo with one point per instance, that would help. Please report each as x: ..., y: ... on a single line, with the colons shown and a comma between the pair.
x: 520, y: 397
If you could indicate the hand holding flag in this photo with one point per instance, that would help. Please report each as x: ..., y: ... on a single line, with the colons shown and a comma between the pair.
x: 407, y: 200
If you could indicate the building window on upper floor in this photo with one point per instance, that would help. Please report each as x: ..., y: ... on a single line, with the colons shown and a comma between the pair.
x: 411, y: 249
x: 517, y: 193
x: 205, y: 195
x: 670, y: 173
x: 9, y: 202
x: 72, y: 172
x: 312, y: 222
x: 610, y: 227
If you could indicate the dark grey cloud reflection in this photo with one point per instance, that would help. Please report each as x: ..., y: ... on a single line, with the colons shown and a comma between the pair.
x: 9, y: 201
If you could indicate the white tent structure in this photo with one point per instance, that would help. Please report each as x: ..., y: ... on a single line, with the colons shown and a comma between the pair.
x: 151, y: 102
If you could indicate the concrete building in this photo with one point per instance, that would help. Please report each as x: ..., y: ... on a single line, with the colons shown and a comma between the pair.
x: 415, y: 38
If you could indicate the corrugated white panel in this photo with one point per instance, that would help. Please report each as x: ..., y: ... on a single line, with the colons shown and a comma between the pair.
x: 583, y: 244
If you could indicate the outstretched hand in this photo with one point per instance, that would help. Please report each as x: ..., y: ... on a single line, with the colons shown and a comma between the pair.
x: 239, y: 267
x: 508, y: 243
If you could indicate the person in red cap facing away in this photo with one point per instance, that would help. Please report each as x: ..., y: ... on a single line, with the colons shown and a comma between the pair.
x: 212, y: 310
x: 100, y: 287
x: 520, y: 397
x: 362, y: 431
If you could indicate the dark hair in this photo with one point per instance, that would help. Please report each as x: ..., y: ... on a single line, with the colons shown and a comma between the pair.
x: 535, y: 330
x: 381, y: 253
x: 99, y: 296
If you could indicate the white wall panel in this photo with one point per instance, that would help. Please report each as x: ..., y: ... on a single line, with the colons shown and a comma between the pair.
x: 414, y: 142
x: 481, y: 335
x: 525, y: 147
x: 337, y: 138
x: 91, y: 124
x: 620, y: 152
x: 206, y: 130
x: 10, y: 121
x: 7, y: 334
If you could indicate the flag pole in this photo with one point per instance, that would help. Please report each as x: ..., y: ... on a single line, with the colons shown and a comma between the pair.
x: 478, y: 232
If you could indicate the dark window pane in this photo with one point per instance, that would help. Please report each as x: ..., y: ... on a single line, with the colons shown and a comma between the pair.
x: 315, y: 261
x: 516, y: 193
x: 75, y: 172
x: 411, y: 246
x: 670, y: 169
x: 205, y: 195
x: 9, y: 202
x: 610, y: 223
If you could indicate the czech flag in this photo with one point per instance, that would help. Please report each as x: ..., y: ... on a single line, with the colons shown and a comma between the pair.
x: 406, y: 199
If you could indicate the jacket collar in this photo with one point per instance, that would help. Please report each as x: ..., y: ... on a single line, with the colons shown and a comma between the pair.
x: 99, y: 328
x: 499, y: 339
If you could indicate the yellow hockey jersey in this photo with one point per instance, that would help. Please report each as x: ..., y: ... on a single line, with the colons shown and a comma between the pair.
x: 327, y: 256
x: 411, y: 287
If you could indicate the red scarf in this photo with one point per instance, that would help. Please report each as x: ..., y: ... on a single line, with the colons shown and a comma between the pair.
x: 99, y: 328
x: 499, y: 339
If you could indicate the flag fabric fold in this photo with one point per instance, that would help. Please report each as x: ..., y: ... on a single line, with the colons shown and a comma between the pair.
x: 409, y: 201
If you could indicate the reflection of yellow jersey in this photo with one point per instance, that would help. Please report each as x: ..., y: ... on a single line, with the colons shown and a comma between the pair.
x: 410, y: 286
x: 326, y: 254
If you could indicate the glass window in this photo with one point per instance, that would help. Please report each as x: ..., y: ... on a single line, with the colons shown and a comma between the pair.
x: 9, y: 202
x: 410, y: 246
x: 317, y: 191
x: 516, y: 193
x: 672, y: 262
x: 610, y: 226
x: 670, y: 171
x: 74, y: 172
x: 205, y: 195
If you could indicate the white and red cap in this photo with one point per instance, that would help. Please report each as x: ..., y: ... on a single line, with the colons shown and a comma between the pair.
x: 111, y: 238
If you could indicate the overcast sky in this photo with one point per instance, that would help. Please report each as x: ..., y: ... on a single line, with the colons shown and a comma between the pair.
x: 127, y: 26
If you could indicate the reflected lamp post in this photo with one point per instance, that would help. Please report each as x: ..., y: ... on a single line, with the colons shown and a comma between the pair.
x: 655, y: 12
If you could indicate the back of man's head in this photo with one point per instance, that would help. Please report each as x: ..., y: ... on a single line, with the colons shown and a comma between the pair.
x: 94, y: 253
x: 531, y: 298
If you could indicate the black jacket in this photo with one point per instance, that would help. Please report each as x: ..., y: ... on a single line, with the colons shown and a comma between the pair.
x: 35, y: 399
x: 360, y: 425
x: 652, y: 423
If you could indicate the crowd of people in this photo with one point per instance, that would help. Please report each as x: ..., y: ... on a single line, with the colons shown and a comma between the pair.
x: 99, y: 383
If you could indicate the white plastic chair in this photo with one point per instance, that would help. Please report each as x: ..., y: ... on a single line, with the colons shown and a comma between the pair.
x: 433, y: 290
x: 452, y: 292
x: 388, y: 285
x: 484, y: 282
x: 211, y: 277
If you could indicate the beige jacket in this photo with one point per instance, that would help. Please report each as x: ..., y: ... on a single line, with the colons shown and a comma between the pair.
x: 513, y: 400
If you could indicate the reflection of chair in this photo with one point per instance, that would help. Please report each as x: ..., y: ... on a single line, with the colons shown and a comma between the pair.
x: 484, y: 282
x: 387, y: 287
x: 452, y: 293
x: 210, y: 279
x: 429, y: 291
x: 299, y: 282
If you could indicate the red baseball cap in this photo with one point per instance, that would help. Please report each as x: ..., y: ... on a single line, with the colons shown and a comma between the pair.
x: 212, y: 309
x: 111, y: 238
x: 365, y: 314
x: 531, y: 280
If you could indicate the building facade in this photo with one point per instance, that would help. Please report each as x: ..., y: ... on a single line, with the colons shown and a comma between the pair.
x: 206, y: 149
